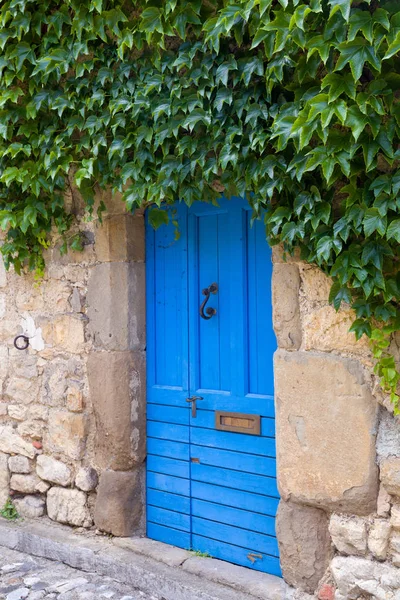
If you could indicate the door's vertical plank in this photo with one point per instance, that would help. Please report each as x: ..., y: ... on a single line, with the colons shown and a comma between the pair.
x: 239, y: 293
x: 167, y: 383
x: 261, y: 338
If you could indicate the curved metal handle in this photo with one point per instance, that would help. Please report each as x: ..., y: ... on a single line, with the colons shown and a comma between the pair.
x: 193, y: 400
x: 212, y: 289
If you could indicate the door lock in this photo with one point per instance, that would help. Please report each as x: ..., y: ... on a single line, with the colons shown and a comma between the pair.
x: 193, y: 401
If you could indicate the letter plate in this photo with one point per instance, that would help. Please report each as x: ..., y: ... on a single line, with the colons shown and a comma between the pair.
x: 238, y: 422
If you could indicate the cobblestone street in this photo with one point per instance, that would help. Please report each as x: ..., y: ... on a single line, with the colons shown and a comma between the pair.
x: 23, y: 577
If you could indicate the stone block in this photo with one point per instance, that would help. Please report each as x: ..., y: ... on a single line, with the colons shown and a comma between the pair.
x: 165, y: 553
x: 68, y: 506
x: 248, y: 582
x: 119, y: 503
x: 285, y: 304
x: 25, y: 366
x: 383, y: 503
x: 326, y: 329
x: 74, y: 399
x: 390, y: 475
x: 19, y: 464
x: 326, y: 420
x: 86, y: 479
x: 75, y: 301
x: 67, y: 433
x: 113, y: 202
x: 28, y: 484
x: 280, y: 256
x: 358, y: 578
x: 4, y: 478
x: 315, y: 286
x: 120, y: 238
x: 86, y: 256
x: 117, y: 390
x: 31, y: 429
x: 53, y: 470
x: 21, y: 390
x: 12, y: 443
x: 116, y: 306
x: 17, y: 412
x: 349, y: 534
x: 68, y: 333
x: 378, y: 538
x: 395, y: 516
x: 304, y: 544
x: 30, y: 507
x: 56, y: 295
x: 395, y: 548
x: 388, y: 440
x: 37, y: 412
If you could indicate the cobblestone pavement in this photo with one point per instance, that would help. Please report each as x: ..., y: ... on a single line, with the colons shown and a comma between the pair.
x: 24, y: 577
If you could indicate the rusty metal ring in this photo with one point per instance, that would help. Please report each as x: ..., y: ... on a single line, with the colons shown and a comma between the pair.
x: 26, y: 342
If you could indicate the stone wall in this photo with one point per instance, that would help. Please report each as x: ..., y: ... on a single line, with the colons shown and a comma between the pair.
x: 338, y: 448
x: 72, y: 411
x: 72, y: 405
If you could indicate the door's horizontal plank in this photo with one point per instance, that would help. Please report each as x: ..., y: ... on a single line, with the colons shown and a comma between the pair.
x: 168, y: 518
x: 239, y: 442
x: 168, y: 414
x: 167, y: 396
x: 178, y: 450
x: 255, y: 404
x: 239, y: 461
x: 235, y: 479
x: 168, y: 501
x: 233, y: 516
x: 264, y: 544
x: 236, y: 555
x: 168, y: 466
x: 166, y: 431
x: 168, y: 483
x: 264, y: 505
x: 214, y: 400
x: 206, y: 419
x: 181, y: 539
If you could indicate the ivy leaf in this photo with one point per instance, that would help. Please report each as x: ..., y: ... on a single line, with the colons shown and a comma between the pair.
x: 357, y: 53
x: 393, y: 231
x: 393, y: 48
x: 158, y: 217
x: 374, y: 221
x: 151, y: 20
x: 340, y: 5
x: 339, y: 294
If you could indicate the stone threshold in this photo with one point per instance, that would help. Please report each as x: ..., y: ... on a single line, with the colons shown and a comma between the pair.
x: 152, y: 567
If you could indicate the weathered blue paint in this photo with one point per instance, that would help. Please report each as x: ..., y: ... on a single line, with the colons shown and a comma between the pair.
x: 225, y: 502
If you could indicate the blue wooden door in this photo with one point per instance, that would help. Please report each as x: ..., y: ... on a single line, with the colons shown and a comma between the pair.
x: 211, y: 486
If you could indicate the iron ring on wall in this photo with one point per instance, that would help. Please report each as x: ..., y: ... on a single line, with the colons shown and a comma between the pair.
x: 25, y: 342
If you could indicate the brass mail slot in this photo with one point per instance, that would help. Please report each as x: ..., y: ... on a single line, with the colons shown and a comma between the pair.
x: 238, y: 422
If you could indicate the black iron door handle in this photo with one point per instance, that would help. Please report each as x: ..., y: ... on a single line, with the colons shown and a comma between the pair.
x: 212, y: 289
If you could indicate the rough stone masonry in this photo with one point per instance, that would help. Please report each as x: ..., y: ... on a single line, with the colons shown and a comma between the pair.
x: 72, y: 411
x: 72, y: 406
x: 338, y: 447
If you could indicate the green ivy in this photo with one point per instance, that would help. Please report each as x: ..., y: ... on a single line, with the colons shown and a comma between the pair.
x: 9, y: 511
x: 294, y: 104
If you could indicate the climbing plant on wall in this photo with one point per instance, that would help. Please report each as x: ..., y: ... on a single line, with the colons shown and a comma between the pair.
x: 294, y: 104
